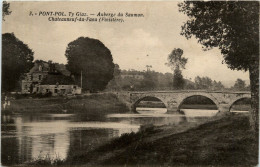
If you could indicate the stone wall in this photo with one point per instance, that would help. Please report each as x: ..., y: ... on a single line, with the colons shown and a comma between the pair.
x: 174, y: 100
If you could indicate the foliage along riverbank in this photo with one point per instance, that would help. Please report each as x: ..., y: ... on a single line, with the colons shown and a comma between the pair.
x: 86, y: 104
x: 227, y: 141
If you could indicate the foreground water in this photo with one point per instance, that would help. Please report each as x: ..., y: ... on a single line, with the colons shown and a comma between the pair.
x: 27, y: 137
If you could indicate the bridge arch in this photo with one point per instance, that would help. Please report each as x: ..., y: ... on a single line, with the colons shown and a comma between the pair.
x: 237, y: 99
x: 134, y: 105
x: 208, y: 96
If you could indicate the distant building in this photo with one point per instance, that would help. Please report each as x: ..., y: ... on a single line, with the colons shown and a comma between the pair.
x: 136, y: 76
x: 47, y: 77
x: 132, y: 74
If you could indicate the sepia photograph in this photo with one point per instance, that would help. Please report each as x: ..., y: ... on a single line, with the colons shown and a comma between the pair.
x: 130, y: 83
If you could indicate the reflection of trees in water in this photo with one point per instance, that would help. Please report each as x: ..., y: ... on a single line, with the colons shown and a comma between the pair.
x: 159, y: 120
x: 33, y: 138
x: 182, y: 116
x: 9, y: 151
x: 16, y: 146
x: 166, y: 119
x: 86, y: 140
x: 9, y: 144
x: 89, y: 139
x: 54, y: 137
x: 7, y: 119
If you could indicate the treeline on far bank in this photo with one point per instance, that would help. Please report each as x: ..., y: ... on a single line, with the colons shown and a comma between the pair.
x: 133, y: 80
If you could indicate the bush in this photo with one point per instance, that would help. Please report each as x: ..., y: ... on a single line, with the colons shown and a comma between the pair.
x: 46, y: 161
x: 34, y: 95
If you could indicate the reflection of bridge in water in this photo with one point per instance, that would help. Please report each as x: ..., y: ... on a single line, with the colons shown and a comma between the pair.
x: 174, y: 99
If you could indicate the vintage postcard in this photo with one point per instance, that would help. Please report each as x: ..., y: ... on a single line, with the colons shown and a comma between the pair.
x: 130, y: 83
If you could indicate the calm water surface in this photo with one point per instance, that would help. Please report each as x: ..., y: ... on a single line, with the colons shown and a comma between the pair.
x: 26, y: 137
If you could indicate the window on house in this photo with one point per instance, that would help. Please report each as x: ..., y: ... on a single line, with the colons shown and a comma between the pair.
x: 55, y: 90
x: 47, y: 90
x: 37, y: 89
x: 40, y: 68
x: 40, y: 77
x: 63, y: 91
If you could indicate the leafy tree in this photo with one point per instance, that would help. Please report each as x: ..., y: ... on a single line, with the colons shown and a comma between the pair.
x: 95, y: 61
x: 203, y: 82
x: 150, y: 80
x: 17, y: 59
x: 117, y: 71
x: 5, y: 10
x: 217, y: 85
x: 189, y: 85
x: 233, y: 27
x: 114, y: 84
x: 178, y: 80
x: 208, y: 84
x: 175, y: 59
x: 239, y: 85
x: 177, y: 63
x: 164, y: 81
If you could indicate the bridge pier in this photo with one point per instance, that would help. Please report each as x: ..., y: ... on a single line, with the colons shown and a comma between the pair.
x: 172, y: 111
x: 224, y: 108
x: 133, y: 109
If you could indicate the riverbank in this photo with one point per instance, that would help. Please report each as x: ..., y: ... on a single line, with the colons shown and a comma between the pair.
x: 225, y: 141
x: 92, y: 104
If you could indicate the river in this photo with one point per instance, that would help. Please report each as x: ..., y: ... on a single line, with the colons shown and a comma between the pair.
x: 28, y: 137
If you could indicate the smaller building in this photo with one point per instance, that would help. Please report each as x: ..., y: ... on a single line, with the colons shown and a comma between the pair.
x: 58, y: 84
x: 48, y: 77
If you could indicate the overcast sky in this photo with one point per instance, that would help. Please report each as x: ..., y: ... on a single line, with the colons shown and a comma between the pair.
x: 156, y: 35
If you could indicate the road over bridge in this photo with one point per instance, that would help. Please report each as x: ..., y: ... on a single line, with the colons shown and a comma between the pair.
x: 174, y: 99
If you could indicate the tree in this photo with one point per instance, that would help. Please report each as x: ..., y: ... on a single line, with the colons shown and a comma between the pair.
x: 178, y: 80
x: 150, y: 80
x: 239, y: 85
x: 114, y: 84
x: 93, y: 59
x: 203, y: 82
x: 207, y: 84
x: 177, y: 63
x: 217, y: 85
x: 17, y: 59
x: 5, y: 10
x: 233, y: 27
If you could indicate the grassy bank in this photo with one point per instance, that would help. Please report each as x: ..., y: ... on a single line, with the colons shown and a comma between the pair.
x: 223, y: 142
x: 92, y: 104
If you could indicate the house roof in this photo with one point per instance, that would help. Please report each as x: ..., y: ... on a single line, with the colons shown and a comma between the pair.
x: 35, y: 68
x: 48, y: 66
x: 53, y: 79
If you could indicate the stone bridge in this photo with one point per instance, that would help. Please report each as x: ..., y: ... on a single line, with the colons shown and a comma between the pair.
x: 174, y: 99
